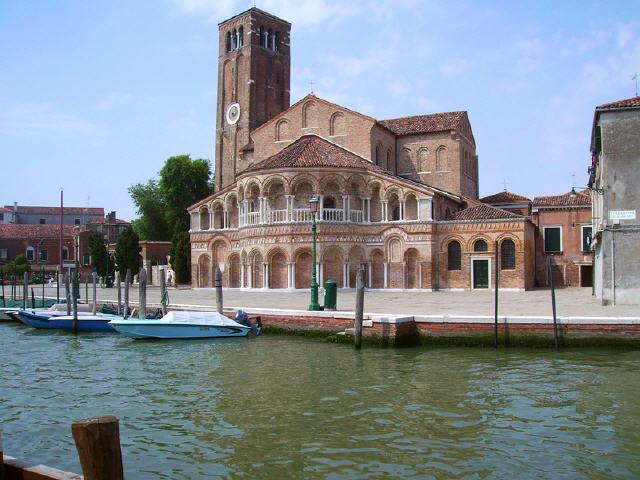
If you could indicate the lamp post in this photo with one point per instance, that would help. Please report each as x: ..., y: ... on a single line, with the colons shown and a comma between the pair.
x: 314, y: 204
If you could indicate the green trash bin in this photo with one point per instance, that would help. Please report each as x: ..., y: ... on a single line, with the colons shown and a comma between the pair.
x: 330, y: 294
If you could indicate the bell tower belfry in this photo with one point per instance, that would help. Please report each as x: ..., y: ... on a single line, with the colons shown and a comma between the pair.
x: 254, y: 64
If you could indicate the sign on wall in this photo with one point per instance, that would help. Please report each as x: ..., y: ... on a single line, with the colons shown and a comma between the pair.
x: 622, y: 214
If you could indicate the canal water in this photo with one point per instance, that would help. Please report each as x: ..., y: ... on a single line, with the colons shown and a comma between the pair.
x: 280, y: 407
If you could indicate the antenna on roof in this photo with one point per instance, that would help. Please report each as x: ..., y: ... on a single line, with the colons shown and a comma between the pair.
x: 635, y: 77
x: 504, y: 182
x: 573, y: 181
x: 311, y: 86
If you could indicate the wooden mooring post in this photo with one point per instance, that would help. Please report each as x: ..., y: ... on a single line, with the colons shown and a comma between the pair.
x: 33, y: 299
x: 1, y: 454
x: 359, y: 308
x: 94, y: 278
x: 67, y: 292
x: 553, y: 303
x: 127, y: 281
x: 75, y: 290
x: 57, y: 286
x: 42, y: 303
x: 218, y: 284
x: 98, y: 443
x: 495, y: 306
x: 4, y: 302
x: 86, y: 289
x: 119, y: 292
x: 142, y: 294
x: 25, y: 291
x: 164, y: 296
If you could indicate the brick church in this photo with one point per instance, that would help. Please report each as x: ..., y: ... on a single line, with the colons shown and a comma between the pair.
x: 398, y: 197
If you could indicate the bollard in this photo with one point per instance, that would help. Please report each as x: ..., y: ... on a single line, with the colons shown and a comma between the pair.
x: 119, y: 292
x: 359, y: 308
x: 94, y: 277
x: 67, y: 292
x: 127, y: 281
x: 142, y: 294
x: 218, y: 285
x: 164, y: 296
x: 98, y: 443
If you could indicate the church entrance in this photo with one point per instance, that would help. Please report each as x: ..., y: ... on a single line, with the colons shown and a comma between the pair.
x: 480, y: 273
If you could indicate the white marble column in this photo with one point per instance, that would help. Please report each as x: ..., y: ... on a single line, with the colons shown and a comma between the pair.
x: 293, y: 274
x: 225, y: 219
x: 242, y: 275
x: 250, y: 276
x: 386, y: 276
x: 345, y: 275
x: 402, y: 205
x: 419, y: 274
x: 265, y: 275
x: 404, y: 275
x: 345, y: 208
x: 383, y: 204
x: 289, y: 208
x: 368, y: 210
x: 369, y: 273
x: 319, y: 274
x: 321, y: 209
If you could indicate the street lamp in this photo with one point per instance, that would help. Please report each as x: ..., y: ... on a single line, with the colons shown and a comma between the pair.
x: 314, y: 204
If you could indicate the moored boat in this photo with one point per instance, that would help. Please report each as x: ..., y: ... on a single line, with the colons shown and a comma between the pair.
x: 87, y: 322
x: 178, y: 324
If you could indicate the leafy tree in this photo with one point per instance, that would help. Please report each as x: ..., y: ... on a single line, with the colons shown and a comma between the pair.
x: 181, y: 257
x: 98, y: 253
x: 128, y: 252
x: 183, y: 182
x: 152, y: 224
x: 17, y: 266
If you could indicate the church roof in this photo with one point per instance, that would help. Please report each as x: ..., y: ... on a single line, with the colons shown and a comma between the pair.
x: 256, y: 10
x: 569, y: 199
x: 314, y: 151
x: 484, y: 212
x: 627, y: 103
x: 434, y: 122
x: 504, y: 197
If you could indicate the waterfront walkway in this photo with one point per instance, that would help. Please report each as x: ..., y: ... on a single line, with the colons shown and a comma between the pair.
x: 572, y: 302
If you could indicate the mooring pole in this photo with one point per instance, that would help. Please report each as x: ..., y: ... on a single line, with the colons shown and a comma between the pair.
x: 119, y: 292
x: 218, y: 284
x: 86, y: 289
x: 495, y: 309
x: 4, y: 302
x: 164, y: 299
x: 2, y: 476
x: 33, y: 299
x: 359, y: 308
x: 553, y: 303
x: 42, y: 287
x: 25, y: 290
x: 57, y: 286
x: 94, y: 277
x: 67, y: 292
x: 74, y: 296
x: 98, y: 443
x: 142, y: 294
x: 127, y: 281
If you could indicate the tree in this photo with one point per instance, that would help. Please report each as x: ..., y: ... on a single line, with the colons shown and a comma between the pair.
x: 17, y: 266
x: 98, y: 253
x: 183, y: 182
x: 152, y: 224
x: 128, y: 252
x: 181, y: 257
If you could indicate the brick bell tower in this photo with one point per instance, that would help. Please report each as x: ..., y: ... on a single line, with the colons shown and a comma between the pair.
x: 254, y: 64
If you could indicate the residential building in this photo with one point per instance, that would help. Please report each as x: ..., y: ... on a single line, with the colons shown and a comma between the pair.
x: 38, y: 215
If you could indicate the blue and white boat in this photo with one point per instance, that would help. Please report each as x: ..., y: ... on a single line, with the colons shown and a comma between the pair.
x: 87, y: 322
x: 179, y: 324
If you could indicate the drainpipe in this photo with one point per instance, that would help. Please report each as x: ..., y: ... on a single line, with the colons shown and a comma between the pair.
x: 613, y: 266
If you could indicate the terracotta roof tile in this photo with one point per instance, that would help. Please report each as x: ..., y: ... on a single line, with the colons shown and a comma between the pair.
x: 28, y: 231
x: 569, y: 199
x: 627, y: 103
x: 484, y: 212
x: 504, y: 197
x: 435, y: 122
x: 102, y: 221
x: 314, y: 151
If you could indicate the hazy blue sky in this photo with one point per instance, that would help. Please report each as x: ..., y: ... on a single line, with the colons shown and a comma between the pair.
x: 95, y: 95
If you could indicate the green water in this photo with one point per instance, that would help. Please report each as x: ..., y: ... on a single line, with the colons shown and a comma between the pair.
x: 285, y: 407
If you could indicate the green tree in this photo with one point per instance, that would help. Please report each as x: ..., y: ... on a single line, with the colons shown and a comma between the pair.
x: 181, y: 257
x: 152, y: 224
x: 128, y: 252
x: 98, y: 253
x: 183, y: 182
x: 17, y: 266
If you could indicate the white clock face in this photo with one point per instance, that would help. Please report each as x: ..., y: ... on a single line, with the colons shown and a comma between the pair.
x: 233, y: 113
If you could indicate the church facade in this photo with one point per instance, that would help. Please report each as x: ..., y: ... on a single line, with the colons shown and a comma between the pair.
x: 398, y: 197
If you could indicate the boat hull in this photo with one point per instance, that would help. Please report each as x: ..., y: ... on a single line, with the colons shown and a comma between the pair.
x: 173, y: 331
x: 86, y: 323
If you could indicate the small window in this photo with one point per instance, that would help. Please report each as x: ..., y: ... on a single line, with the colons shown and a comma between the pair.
x: 86, y: 259
x: 30, y: 254
x: 228, y: 42
x: 65, y: 253
x: 44, y: 255
x: 552, y: 239
x: 454, y: 261
x: 480, y: 246
x: 507, y: 255
x: 328, y: 202
x: 241, y: 37
x: 276, y: 45
x: 4, y: 253
x: 586, y: 238
x: 43, y: 221
x: 77, y: 221
x: 1, y: 217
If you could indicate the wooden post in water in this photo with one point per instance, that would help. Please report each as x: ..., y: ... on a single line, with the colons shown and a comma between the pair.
x: 127, y: 281
x: 495, y: 308
x: 98, y: 443
x: 33, y: 299
x: 553, y: 303
x: 359, y: 308
x: 142, y: 293
x: 86, y: 289
x: 1, y: 454
x: 94, y: 277
x: 4, y: 302
x: 42, y: 287
x: 218, y: 284
x: 25, y: 290
x: 57, y: 286
x: 163, y: 292
x: 74, y: 299
x: 67, y: 292
x: 119, y: 292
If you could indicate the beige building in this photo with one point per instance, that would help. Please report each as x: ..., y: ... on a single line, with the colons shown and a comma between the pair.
x: 398, y: 197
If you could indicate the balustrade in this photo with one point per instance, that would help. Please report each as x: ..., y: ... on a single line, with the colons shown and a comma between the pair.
x: 332, y: 214
x: 277, y: 216
x: 301, y: 214
x: 356, y: 216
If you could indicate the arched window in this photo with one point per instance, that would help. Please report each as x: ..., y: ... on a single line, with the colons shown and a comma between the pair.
x: 262, y: 37
x: 228, y: 42
x: 269, y: 39
x: 454, y: 254
x: 329, y: 202
x: 336, y: 124
x: 440, y: 160
x: 395, y: 214
x: 65, y: 253
x: 507, y: 255
x: 378, y: 154
x: 480, y: 246
x: 30, y: 254
x: 234, y: 39
x: 241, y: 37
x: 388, y: 165
x: 276, y: 44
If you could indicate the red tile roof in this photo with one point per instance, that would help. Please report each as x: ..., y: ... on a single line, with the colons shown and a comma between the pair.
x: 627, y: 103
x: 435, y: 122
x: 35, y: 210
x: 484, y: 212
x: 314, y: 151
x: 504, y: 197
x: 569, y: 199
x: 102, y: 221
x: 6, y: 210
x: 27, y: 231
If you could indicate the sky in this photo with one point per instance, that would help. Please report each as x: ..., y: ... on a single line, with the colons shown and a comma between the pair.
x: 95, y: 96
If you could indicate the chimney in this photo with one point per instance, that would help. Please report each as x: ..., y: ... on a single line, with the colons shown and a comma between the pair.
x: 111, y: 217
x: 15, y: 213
